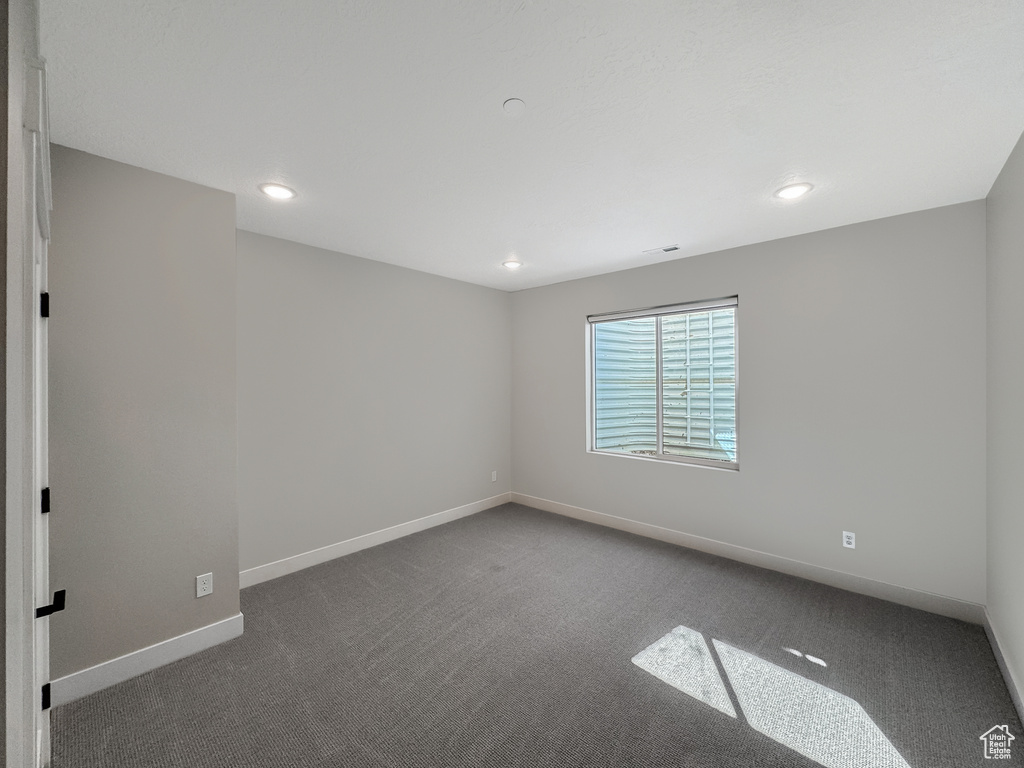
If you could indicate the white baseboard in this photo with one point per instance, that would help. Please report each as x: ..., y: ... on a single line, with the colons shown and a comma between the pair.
x: 1016, y: 691
x: 927, y: 601
x: 82, y: 683
x: 261, y: 573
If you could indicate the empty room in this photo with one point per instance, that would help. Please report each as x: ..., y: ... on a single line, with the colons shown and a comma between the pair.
x: 514, y: 383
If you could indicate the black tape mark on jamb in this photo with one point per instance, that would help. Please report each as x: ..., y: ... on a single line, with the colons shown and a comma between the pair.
x: 46, y: 697
x: 57, y: 604
x: 44, y: 304
x: 45, y: 500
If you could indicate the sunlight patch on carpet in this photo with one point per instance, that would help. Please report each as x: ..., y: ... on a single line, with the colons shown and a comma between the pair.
x: 819, y: 723
x: 683, y: 660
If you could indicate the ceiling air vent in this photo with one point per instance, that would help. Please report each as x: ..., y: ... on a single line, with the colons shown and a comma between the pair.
x: 663, y: 249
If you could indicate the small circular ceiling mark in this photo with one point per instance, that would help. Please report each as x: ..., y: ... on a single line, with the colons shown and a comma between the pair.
x: 514, y: 107
x: 277, y: 191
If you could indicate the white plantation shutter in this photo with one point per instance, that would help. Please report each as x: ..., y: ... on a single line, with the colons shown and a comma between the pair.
x: 664, y: 382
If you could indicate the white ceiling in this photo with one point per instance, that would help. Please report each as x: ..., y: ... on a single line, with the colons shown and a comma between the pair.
x: 647, y: 123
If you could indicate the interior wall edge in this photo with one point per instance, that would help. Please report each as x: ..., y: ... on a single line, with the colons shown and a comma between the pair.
x: 257, y: 575
x: 927, y: 601
x: 1016, y: 690
x: 105, y: 674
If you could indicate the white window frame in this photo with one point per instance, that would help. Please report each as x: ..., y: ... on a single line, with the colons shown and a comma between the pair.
x: 729, y: 302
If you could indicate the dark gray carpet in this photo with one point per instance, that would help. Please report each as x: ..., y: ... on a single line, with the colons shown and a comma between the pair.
x: 505, y: 639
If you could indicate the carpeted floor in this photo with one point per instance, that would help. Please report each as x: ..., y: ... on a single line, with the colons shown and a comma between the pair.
x: 506, y: 639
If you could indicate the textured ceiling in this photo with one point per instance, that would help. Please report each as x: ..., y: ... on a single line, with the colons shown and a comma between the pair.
x: 647, y: 123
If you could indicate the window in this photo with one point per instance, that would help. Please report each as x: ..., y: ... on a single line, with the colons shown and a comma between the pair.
x: 664, y: 383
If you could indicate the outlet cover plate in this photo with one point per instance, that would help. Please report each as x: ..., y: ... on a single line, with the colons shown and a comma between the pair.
x: 849, y: 540
x: 204, y: 585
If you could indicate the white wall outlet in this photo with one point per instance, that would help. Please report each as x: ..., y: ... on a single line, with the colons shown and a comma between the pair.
x: 494, y: 476
x: 204, y: 585
x: 849, y: 540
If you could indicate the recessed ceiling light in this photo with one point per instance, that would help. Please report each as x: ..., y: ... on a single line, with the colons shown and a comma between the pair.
x: 514, y: 107
x: 277, y: 191
x: 511, y: 264
x: 793, y: 191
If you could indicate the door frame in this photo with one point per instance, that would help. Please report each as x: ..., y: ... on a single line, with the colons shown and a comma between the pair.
x: 37, y: 140
x: 28, y: 204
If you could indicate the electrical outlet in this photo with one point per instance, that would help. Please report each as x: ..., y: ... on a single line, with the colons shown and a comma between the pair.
x: 204, y: 585
x: 849, y: 540
x: 494, y: 476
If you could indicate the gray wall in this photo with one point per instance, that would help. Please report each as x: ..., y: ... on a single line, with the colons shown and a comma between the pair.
x: 1006, y: 412
x: 142, y: 407
x: 368, y: 395
x: 862, y: 373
